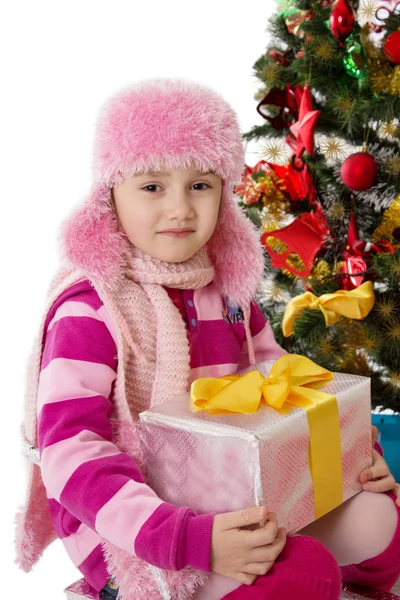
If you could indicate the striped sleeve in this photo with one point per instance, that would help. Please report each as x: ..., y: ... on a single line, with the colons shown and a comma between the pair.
x: 265, y: 345
x: 81, y: 467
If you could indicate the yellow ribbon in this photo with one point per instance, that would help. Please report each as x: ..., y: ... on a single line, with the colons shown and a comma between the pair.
x: 354, y: 304
x: 294, y: 380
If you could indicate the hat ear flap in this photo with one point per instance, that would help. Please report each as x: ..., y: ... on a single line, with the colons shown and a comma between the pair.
x: 91, y: 237
x: 236, y: 252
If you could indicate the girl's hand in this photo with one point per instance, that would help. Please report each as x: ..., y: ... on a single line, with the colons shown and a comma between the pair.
x: 378, y: 478
x: 241, y: 552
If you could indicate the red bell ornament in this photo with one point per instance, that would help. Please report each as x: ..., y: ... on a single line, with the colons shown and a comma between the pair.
x: 391, y: 47
x: 303, y: 237
x: 342, y: 20
x: 359, y: 171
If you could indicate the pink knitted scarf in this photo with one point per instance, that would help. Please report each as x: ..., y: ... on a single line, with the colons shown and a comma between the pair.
x: 172, y: 348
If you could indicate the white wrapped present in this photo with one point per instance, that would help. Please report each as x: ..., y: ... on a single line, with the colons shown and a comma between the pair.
x: 226, y: 462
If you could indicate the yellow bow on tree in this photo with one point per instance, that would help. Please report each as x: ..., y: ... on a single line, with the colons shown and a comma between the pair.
x: 354, y: 304
x: 293, y: 380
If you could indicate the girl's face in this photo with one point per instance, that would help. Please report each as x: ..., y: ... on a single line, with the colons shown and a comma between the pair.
x: 170, y: 214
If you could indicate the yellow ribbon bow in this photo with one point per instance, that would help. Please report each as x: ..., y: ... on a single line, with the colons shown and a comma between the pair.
x: 294, y: 380
x: 354, y: 304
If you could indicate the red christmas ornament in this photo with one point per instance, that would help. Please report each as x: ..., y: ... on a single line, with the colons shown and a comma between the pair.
x: 304, y: 237
x: 391, y: 47
x: 297, y: 183
x: 301, y: 135
x: 342, y: 20
x: 353, y: 257
x: 359, y: 171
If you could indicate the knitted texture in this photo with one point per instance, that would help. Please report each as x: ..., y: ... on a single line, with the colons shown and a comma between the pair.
x: 305, y: 570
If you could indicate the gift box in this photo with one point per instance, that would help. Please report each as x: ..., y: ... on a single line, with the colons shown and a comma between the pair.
x: 226, y: 462
x: 81, y: 590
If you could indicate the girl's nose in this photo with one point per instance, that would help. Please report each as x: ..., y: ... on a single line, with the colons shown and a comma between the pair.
x: 178, y: 206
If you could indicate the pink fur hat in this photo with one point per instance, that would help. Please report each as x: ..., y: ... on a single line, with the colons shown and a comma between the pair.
x: 175, y: 122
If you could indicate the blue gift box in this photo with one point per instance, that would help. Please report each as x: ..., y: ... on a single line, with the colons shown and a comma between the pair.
x: 389, y: 438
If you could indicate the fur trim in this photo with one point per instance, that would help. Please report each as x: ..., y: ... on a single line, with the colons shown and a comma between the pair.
x: 91, y: 238
x: 174, y: 122
x: 34, y: 529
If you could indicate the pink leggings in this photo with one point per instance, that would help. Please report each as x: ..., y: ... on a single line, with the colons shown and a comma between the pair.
x: 365, y: 529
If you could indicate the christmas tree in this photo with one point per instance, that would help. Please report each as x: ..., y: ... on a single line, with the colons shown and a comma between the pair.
x: 326, y: 192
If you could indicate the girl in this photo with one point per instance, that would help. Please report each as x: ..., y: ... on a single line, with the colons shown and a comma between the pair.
x: 160, y: 270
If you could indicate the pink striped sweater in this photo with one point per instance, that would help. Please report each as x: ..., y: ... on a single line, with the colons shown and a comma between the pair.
x: 93, y: 489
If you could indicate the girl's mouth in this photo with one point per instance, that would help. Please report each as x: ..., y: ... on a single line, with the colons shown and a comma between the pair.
x: 177, y: 233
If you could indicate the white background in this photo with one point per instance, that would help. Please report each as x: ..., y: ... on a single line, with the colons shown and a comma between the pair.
x: 59, y: 61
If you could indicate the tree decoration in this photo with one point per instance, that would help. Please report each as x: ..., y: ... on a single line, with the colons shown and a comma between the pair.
x: 303, y: 237
x: 332, y: 147
x: 323, y: 51
x: 353, y: 260
x: 297, y: 183
x: 383, y: 76
x: 359, y: 171
x: 271, y: 74
x: 342, y: 20
x: 366, y: 12
x: 390, y: 130
x: 343, y: 103
x: 280, y: 107
x: 296, y: 19
x: 391, y: 47
x: 301, y: 135
x: 356, y: 87
x: 275, y: 150
x: 389, y: 227
x: 279, y: 57
x: 354, y: 61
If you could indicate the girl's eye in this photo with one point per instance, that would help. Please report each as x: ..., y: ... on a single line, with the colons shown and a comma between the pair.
x: 152, y: 185
x: 202, y: 184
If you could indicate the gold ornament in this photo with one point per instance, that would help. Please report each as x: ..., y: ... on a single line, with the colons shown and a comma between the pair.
x: 343, y: 104
x: 323, y: 50
x: 294, y: 261
x: 353, y: 362
x: 393, y: 166
x: 320, y: 271
x: 327, y: 349
x: 394, y: 268
x: 332, y: 147
x: 389, y: 130
x: 275, y: 150
x: 271, y: 292
x: 393, y: 381
x: 387, y: 309
x: 392, y: 334
x: 390, y: 221
x: 271, y: 74
x: 366, y: 12
x: 337, y: 211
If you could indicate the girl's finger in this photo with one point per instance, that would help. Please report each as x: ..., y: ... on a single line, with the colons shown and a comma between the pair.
x: 271, y: 551
x: 259, y: 568
x: 265, y: 535
x: 396, y: 492
x: 382, y: 485
x: 380, y: 469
